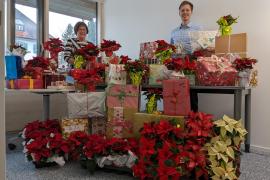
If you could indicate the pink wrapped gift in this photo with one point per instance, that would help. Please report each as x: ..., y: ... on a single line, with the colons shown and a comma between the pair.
x: 28, y: 84
x: 176, y: 97
x: 148, y: 50
x: 123, y: 96
x: 214, y: 71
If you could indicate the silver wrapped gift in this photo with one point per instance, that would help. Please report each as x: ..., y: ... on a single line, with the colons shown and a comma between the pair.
x: 82, y: 105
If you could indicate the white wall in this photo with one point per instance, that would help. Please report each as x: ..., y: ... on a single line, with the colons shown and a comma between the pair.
x: 2, y: 98
x: 133, y: 21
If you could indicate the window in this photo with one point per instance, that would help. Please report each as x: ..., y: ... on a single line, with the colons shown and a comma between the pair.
x: 63, y: 15
x: 26, y: 27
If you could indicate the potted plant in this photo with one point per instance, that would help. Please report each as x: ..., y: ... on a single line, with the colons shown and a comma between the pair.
x: 136, y: 70
x: 225, y: 23
x: 152, y: 96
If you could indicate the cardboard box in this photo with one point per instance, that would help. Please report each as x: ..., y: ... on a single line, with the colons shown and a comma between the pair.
x: 235, y: 43
x: 141, y: 118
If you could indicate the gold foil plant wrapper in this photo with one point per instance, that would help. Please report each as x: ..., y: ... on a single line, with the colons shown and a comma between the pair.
x: 70, y: 125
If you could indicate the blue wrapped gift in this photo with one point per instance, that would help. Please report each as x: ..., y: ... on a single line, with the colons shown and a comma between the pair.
x: 13, y: 67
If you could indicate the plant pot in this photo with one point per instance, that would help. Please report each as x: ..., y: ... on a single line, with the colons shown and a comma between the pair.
x: 151, y: 105
x: 39, y: 165
x: 91, y: 165
x: 244, y: 78
x: 225, y: 30
x: 136, y: 78
x: 191, y: 78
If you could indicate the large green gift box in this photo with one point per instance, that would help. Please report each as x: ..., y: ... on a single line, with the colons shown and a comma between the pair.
x: 141, y: 118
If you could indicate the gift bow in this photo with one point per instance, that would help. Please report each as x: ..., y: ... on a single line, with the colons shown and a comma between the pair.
x: 122, y: 95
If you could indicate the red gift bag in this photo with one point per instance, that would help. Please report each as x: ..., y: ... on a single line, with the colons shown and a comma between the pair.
x: 176, y: 97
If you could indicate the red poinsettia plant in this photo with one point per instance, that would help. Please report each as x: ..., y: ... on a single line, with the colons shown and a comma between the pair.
x: 38, y: 61
x: 163, y: 46
x: 109, y: 46
x: 86, y: 77
x: 179, y: 64
x: 54, y: 46
x: 44, y: 142
x: 242, y: 64
x: 124, y: 59
x: 88, y: 52
x: 153, y: 91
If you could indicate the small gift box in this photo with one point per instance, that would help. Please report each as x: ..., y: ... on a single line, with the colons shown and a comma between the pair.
x: 141, y: 118
x: 51, y: 79
x: 71, y: 125
x: 214, y: 71
x: 28, y: 84
x: 98, y: 125
x: 117, y: 74
x: 176, y: 97
x: 123, y: 96
x: 148, y: 50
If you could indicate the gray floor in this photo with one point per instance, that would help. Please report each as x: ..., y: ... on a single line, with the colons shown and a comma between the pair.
x: 253, y: 167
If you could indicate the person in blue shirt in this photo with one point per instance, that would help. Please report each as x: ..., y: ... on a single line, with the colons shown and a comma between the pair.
x: 180, y: 35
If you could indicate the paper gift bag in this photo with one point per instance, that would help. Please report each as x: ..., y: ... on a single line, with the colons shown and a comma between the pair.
x: 13, y: 67
x: 235, y: 44
x: 202, y: 40
x: 117, y: 74
x: 71, y: 125
x: 141, y: 118
x: 176, y: 97
x: 214, y: 71
x: 120, y: 122
x: 82, y: 105
x: 148, y: 50
x: 156, y: 74
x: 123, y: 96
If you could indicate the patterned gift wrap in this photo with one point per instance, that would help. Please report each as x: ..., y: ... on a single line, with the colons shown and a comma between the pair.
x: 148, y: 50
x: 214, y: 71
x: 98, y: 125
x: 176, y: 97
x: 71, y: 125
x: 24, y: 84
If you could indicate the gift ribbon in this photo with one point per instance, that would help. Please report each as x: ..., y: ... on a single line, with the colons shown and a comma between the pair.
x: 11, y: 82
x: 31, y: 84
x: 122, y: 94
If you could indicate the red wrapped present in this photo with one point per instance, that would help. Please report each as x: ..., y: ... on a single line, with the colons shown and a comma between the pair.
x: 176, y: 98
x: 123, y: 96
x: 214, y: 71
x: 147, y: 50
x: 28, y: 84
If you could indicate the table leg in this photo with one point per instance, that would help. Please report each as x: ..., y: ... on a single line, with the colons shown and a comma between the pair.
x: 46, y: 107
x: 237, y: 104
x: 247, y: 120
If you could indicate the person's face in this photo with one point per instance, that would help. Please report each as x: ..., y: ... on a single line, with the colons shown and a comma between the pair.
x: 185, y: 13
x: 82, y: 32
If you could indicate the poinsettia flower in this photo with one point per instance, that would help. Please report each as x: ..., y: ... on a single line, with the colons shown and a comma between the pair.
x: 147, y: 147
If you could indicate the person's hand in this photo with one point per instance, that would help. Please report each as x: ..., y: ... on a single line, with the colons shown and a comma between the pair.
x: 71, y: 60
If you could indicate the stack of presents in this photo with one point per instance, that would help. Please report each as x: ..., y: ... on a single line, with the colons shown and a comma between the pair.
x: 164, y: 71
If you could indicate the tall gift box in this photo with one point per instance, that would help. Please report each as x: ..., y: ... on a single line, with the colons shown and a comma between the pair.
x: 71, y: 125
x: 120, y: 122
x: 13, y: 67
x: 141, y: 118
x: 214, y: 71
x: 126, y: 96
x: 176, y: 97
x: 83, y: 105
x: 234, y: 44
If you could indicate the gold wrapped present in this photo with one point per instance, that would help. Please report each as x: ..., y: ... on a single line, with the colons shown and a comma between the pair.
x: 120, y: 122
x: 70, y: 125
x: 141, y: 118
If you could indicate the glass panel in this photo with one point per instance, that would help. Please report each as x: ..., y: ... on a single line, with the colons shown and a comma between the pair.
x: 26, y: 28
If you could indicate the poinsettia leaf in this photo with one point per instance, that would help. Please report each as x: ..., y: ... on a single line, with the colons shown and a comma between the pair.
x: 229, y: 128
x: 237, y: 140
x: 215, y: 177
x: 220, y: 123
x: 228, y: 141
x: 223, y: 131
x: 224, y: 157
x: 230, y: 152
x: 231, y: 176
x: 169, y: 162
x: 219, y: 171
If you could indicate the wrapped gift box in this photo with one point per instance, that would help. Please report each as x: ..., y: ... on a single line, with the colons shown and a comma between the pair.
x: 123, y: 96
x: 13, y: 67
x: 83, y: 105
x: 234, y: 44
x: 141, y: 118
x: 98, y: 125
x: 71, y: 125
x: 117, y: 74
x: 24, y: 84
x: 120, y: 122
x: 202, y: 40
x: 155, y: 74
x: 214, y: 71
x: 176, y: 97
x: 148, y: 50
x: 52, y: 79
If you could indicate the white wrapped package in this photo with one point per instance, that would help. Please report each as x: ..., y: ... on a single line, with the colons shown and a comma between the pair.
x: 82, y: 105
x: 117, y: 74
x: 202, y: 40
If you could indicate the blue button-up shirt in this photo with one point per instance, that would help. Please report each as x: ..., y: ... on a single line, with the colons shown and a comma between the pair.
x: 180, y: 35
